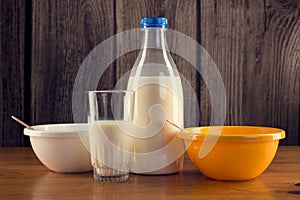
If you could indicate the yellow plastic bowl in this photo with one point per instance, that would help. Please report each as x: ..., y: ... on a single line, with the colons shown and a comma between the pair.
x: 232, y: 153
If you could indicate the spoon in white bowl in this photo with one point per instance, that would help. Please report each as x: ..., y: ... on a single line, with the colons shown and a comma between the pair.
x: 21, y: 122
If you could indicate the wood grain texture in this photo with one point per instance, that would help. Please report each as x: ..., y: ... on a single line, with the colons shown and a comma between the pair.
x: 64, y: 32
x: 20, y: 167
x: 281, y: 63
x: 182, y: 17
x: 256, y: 45
x: 12, y: 29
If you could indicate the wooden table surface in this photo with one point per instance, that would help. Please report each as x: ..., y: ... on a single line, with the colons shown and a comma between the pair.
x: 22, y: 176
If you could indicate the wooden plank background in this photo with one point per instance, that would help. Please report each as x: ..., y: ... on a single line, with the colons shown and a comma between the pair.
x: 12, y: 84
x: 255, y: 44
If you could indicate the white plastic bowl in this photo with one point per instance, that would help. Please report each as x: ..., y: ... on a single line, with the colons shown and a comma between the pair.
x: 59, y: 148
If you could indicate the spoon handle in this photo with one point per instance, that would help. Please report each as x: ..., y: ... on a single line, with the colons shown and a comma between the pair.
x: 21, y: 122
x: 175, y: 125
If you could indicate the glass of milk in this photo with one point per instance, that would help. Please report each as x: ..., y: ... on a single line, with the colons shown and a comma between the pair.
x: 110, y: 124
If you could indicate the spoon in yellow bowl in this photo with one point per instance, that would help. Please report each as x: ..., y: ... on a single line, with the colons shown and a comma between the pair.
x: 176, y: 125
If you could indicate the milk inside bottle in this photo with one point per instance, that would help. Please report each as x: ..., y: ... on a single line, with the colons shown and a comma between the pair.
x: 158, y: 96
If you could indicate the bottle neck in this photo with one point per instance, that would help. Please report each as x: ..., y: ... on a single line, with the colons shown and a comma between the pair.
x: 154, y: 38
x: 154, y: 58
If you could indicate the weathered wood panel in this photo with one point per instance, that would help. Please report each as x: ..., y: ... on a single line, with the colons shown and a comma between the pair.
x: 256, y: 47
x: 255, y: 44
x: 64, y: 32
x: 12, y: 29
x: 182, y: 17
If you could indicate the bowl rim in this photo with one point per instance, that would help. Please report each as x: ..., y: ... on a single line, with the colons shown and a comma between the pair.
x: 276, y: 134
x: 75, y: 130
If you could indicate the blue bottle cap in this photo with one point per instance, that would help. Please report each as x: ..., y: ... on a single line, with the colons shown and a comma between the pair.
x: 154, y: 22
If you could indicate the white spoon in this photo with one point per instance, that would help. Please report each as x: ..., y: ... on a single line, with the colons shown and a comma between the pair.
x: 21, y: 122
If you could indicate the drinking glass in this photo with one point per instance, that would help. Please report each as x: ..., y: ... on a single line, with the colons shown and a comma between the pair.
x: 109, y: 117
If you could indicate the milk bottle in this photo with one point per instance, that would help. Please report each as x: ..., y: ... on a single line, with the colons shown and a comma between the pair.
x: 158, y: 95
